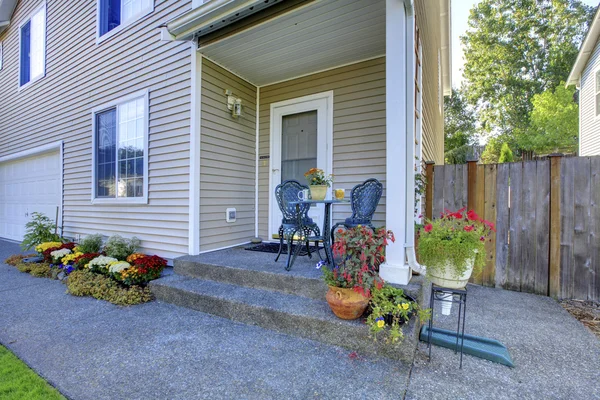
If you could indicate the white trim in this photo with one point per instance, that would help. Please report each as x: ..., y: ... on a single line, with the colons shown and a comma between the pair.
x: 32, y: 79
x: 224, y: 248
x: 115, y: 104
x: 1, y: 55
x: 324, y: 70
x: 395, y: 269
x: 257, y: 149
x: 47, y: 148
x: 122, y: 25
x: 585, y: 51
x: 293, y: 106
x: 229, y: 70
x: 195, y: 136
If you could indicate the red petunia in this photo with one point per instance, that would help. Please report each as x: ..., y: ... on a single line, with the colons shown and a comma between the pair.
x: 469, y: 228
x: 472, y: 216
x: 428, y: 228
x: 490, y: 225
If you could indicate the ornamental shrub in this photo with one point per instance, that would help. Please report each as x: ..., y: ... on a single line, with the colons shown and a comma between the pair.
x: 24, y: 267
x: 90, y: 244
x: 40, y: 229
x: 121, y: 248
x: 16, y: 259
x: 41, y: 270
x: 87, y: 283
x: 143, y: 270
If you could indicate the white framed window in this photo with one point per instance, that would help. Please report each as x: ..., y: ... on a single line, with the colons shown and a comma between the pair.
x: 32, y: 45
x: 113, y: 15
x: 120, y: 151
x: 597, y: 92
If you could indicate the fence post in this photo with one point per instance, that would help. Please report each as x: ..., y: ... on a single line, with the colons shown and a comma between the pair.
x: 471, y: 184
x: 554, y: 257
x: 429, y: 189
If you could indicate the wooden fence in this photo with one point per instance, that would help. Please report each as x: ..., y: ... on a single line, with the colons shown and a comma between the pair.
x: 547, y: 216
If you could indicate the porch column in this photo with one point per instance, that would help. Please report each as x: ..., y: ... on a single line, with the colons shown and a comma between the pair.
x: 395, y: 268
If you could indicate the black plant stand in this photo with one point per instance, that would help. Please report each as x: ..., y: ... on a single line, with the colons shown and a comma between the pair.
x: 459, y: 296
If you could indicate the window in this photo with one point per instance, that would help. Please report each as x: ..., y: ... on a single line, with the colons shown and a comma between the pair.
x: 120, y: 150
x: 597, y: 92
x: 33, y: 47
x: 115, y: 13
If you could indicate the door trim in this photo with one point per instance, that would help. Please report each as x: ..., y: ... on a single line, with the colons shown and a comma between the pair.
x: 48, y: 148
x: 298, y: 105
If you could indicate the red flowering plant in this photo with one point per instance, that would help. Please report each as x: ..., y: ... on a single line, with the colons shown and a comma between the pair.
x: 143, y: 269
x: 359, y: 253
x: 453, y: 240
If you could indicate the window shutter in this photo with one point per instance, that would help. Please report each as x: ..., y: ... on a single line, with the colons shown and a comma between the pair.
x: 25, y: 49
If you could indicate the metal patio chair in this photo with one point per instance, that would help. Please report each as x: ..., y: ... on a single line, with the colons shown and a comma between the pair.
x: 364, y: 198
x: 286, y: 192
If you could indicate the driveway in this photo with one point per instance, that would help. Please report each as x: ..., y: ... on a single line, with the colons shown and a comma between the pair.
x: 90, y: 349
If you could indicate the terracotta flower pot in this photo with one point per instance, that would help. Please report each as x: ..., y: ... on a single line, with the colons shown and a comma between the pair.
x: 346, y: 303
x: 318, y: 192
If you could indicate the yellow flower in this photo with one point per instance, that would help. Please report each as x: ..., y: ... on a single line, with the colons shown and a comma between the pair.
x: 40, y: 248
x: 405, y: 306
x: 70, y: 257
x: 380, y: 323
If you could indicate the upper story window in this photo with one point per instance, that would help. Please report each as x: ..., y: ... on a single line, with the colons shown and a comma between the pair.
x: 113, y: 14
x: 33, y: 46
x: 597, y: 92
x: 120, y: 157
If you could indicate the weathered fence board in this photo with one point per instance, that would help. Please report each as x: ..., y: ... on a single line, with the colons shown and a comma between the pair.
x: 542, y: 227
x: 547, y: 216
x: 502, y: 223
x: 567, y: 200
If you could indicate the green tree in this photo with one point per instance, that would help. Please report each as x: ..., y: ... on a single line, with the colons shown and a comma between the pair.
x: 493, y: 148
x: 554, y: 122
x: 506, y: 155
x: 459, y: 128
x: 515, y: 49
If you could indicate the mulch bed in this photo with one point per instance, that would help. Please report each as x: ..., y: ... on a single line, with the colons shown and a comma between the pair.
x: 588, y: 312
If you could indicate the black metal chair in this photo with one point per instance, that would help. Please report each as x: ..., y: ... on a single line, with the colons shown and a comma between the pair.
x: 286, y: 192
x: 364, y: 198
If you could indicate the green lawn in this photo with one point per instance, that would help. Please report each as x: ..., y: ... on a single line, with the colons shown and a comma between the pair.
x: 18, y: 381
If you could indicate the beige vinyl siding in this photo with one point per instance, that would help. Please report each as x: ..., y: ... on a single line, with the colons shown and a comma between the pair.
x: 228, y: 159
x: 358, y: 129
x: 589, y: 140
x: 81, y: 75
x: 427, y: 14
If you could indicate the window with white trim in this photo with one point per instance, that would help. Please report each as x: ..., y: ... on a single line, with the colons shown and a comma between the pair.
x: 115, y: 13
x: 120, y: 150
x: 33, y: 47
x: 597, y: 92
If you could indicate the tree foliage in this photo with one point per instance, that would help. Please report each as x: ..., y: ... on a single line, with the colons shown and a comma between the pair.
x: 554, y: 122
x: 459, y: 128
x: 493, y: 148
x: 515, y: 49
x: 506, y: 155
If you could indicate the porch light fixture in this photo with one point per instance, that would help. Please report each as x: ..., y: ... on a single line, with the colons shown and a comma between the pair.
x: 234, y: 104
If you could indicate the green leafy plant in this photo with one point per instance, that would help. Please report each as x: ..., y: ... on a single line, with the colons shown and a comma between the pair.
x: 361, y: 251
x: 390, y: 309
x: 40, y: 229
x: 17, y: 258
x: 316, y: 176
x: 40, y: 270
x: 452, y: 240
x: 87, y: 283
x: 90, y: 244
x: 121, y: 248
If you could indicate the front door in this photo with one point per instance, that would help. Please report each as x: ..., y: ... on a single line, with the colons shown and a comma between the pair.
x: 300, y: 140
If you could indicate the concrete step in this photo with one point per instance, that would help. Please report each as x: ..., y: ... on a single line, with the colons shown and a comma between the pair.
x: 282, y: 312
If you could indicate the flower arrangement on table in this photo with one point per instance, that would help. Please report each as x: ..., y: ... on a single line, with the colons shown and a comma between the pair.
x: 316, y: 177
x: 455, y: 241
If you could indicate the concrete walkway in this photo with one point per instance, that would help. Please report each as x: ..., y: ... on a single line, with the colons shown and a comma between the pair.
x: 90, y: 349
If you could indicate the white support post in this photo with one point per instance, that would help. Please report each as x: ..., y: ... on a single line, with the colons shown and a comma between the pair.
x: 395, y: 269
x: 194, y: 200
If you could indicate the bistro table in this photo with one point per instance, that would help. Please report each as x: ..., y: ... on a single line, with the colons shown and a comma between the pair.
x: 325, y: 233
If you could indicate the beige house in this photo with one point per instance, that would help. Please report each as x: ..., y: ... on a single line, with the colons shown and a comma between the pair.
x: 173, y: 121
x: 585, y: 74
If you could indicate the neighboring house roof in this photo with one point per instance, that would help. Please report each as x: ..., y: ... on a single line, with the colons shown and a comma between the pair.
x: 6, y: 10
x: 587, y: 48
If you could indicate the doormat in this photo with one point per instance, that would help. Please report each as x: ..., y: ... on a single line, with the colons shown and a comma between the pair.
x: 274, y: 248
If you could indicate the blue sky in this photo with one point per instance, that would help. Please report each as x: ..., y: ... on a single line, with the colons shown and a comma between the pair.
x: 460, y: 14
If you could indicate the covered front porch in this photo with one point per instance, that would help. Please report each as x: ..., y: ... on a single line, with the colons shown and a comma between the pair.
x: 339, y: 76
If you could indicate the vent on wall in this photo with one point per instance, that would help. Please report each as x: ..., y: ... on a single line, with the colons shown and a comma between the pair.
x: 230, y: 215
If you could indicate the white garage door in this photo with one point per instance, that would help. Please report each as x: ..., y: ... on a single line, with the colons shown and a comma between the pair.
x: 28, y: 185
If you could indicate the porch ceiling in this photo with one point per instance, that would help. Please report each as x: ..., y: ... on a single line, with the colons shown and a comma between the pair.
x: 318, y: 36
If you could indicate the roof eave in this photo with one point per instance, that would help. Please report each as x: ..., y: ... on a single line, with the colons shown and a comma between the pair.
x: 587, y: 47
x: 7, y: 7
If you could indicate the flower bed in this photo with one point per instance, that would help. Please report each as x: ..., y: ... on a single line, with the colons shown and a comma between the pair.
x: 115, y: 272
